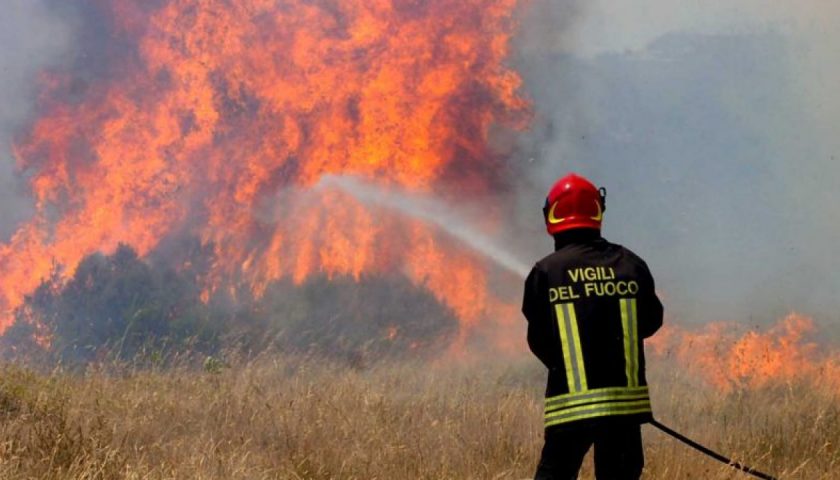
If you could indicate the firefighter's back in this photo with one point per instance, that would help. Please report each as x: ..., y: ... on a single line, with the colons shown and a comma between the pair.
x: 594, y: 288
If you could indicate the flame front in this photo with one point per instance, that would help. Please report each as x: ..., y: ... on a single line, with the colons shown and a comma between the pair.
x: 730, y: 358
x: 208, y: 108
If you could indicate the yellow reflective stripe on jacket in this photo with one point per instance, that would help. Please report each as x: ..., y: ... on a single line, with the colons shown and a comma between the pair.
x: 599, y: 402
x: 595, y: 395
x: 578, y: 350
x: 570, y: 343
x: 606, y: 407
x: 629, y: 324
x: 597, y: 410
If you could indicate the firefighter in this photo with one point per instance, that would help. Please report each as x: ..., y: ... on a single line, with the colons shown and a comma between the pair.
x: 589, y: 305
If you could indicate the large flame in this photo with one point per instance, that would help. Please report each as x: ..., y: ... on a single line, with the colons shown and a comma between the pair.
x: 208, y: 110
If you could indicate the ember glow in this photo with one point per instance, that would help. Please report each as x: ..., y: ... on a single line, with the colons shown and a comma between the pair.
x: 218, y: 107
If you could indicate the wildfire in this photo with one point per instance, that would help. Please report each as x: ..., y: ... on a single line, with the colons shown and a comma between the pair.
x: 730, y: 358
x: 217, y: 119
x: 209, y: 110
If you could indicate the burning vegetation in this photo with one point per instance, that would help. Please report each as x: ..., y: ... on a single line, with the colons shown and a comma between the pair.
x: 176, y: 172
x: 205, y: 119
x: 734, y: 358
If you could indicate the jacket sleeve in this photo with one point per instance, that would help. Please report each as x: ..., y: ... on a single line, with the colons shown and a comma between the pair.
x: 650, y: 308
x: 536, y: 308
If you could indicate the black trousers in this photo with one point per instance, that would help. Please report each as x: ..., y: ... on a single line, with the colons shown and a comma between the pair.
x: 618, y: 452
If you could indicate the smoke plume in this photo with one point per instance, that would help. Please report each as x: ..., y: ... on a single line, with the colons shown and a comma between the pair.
x: 711, y: 125
x: 33, y: 38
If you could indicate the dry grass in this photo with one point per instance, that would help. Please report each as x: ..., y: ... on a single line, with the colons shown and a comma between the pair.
x: 287, y: 418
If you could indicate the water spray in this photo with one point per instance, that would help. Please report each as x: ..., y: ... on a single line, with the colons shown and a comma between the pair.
x: 441, y: 215
x: 430, y: 211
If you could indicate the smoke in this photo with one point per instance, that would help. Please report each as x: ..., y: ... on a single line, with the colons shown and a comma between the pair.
x: 33, y: 38
x: 711, y: 126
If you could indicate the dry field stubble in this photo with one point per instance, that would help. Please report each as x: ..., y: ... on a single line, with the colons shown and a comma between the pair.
x: 279, y: 417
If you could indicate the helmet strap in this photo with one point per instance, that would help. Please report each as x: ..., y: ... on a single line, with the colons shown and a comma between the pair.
x: 602, y: 192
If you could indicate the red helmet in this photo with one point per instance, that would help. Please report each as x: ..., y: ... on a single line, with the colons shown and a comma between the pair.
x: 574, y: 202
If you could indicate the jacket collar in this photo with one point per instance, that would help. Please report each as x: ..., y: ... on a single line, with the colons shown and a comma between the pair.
x: 577, y: 235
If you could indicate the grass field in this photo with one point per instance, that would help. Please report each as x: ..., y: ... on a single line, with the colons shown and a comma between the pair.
x: 280, y: 417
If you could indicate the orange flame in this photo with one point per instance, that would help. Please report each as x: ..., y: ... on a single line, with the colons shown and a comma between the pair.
x: 729, y: 358
x: 221, y: 105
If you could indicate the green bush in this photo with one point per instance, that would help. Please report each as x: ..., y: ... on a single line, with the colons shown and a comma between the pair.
x: 123, y: 307
x: 114, y: 305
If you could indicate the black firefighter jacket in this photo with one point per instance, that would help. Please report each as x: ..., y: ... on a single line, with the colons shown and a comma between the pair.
x: 589, y: 305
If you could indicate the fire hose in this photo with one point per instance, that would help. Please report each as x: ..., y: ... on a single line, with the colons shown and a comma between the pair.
x: 707, y: 451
